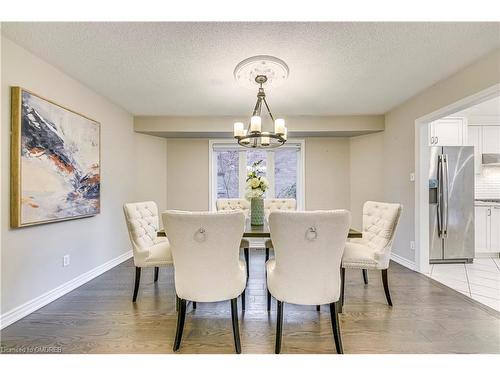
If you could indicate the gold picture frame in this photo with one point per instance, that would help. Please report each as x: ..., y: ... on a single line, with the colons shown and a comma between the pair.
x: 48, y: 147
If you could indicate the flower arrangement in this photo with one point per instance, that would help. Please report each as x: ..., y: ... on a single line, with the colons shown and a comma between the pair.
x: 257, y: 184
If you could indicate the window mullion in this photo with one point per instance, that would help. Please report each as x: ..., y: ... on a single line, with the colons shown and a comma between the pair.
x: 270, y: 174
x: 242, y: 172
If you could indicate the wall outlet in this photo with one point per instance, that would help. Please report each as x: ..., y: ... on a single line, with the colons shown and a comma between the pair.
x: 412, y: 245
x: 412, y: 176
x: 66, y: 261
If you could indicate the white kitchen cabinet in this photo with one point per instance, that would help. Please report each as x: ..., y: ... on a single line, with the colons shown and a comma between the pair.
x: 490, y: 139
x: 482, y: 229
x: 495, y: 229
x: 448, y: 132
x: 474, y: 139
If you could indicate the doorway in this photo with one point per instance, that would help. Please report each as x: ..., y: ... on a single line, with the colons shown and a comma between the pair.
x: 425, y: 136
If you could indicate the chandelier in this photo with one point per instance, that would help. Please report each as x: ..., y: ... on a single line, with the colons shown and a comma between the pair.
x: 261, y: 70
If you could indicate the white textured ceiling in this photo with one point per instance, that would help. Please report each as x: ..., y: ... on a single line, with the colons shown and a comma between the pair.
x: 186, y: 68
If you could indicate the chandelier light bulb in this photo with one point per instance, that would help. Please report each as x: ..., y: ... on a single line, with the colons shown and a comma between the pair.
x: 255, y: 124
x: 239, y: 129
x: 279, y: 126
x: 285, y: 133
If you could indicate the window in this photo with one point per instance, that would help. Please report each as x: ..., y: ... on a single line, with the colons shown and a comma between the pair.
x: 227, y: 174
x: 285, y: 173
x: 283, y: 168
x: 253, y: 156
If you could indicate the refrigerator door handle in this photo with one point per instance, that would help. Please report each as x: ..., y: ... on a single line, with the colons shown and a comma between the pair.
x: 445, y: 195
x: 439, y: 196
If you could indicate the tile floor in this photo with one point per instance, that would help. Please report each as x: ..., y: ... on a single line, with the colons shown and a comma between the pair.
x: 479, y: 280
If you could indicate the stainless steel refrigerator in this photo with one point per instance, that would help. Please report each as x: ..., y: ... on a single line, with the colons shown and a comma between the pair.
x: 451, y: 204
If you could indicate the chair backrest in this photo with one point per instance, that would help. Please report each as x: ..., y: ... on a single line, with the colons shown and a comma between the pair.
x: 308, y: 249
x: 277, y: 204
x: 233, y: 204
x: 205, y: 250
x: 142, y: 223
x: 380, y: 221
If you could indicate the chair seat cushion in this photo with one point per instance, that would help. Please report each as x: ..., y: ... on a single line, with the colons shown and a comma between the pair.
x: 301, y: 292
x: 359, y: 255
x: 156, y: 255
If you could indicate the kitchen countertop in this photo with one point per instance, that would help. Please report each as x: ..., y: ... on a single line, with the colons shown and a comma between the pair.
x: 479, y: 202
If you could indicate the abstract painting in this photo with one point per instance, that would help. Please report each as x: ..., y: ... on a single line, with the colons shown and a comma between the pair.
x: 55, y: 162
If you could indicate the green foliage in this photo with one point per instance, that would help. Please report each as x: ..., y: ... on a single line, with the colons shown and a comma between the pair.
x: 255, y: 171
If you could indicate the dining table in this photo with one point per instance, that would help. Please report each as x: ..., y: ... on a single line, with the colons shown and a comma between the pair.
x: 263, y: 231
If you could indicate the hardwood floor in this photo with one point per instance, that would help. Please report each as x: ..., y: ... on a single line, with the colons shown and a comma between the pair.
x: 99, y: 317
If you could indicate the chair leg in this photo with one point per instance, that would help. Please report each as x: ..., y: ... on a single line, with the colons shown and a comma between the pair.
x: 365, y: 276
x: 386, y: 287
x: 318, y: 307
x: 236, y: 329
x: 137, y: 281
x: 268, y: 294
x: 194, y: 305
x: 243, y: 300
x: 279, y: 328
x: 181, y: 316
x: 157, y: 269
x: 342, y: 287
x: 247, y: 260
x: 336, y: 326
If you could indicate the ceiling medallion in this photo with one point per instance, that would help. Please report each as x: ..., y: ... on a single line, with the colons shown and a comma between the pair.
x: 263, y: 71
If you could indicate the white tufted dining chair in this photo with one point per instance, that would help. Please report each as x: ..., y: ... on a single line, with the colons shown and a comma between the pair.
x: 373, y: 250
x: 207, y: 262
x: 272, y: 205
x: 233, y: 204
x: 308, y: 250
x: 237, y: 204
x: 279, y: 204
x: 149, y: 250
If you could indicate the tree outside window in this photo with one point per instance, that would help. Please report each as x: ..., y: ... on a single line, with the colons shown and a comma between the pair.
x: 227, y: 174
x: 285, y: 173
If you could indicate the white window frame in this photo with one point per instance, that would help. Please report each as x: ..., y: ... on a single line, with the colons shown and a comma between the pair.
x: 243, y: 170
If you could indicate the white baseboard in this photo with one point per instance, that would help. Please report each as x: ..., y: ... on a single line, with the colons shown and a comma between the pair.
x: 486, y: 255
x: 36, y: 303
x: 403, y: 261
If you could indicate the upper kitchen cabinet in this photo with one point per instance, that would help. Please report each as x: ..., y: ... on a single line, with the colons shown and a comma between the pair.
x: 491, y: 140
x: 449, y: 131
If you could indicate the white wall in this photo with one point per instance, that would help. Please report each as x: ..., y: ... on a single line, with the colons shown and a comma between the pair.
x: 327, y: 177
x: 327, y: 173
x: 31, y: 258
x: 188, y: 170
x: 399, y: 136
x: 395, y: 158
x: 221, y: 126
x: 150, y: 168
x: 366, y: 173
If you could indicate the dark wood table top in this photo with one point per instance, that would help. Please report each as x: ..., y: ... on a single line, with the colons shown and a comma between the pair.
x: 262, y: 231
